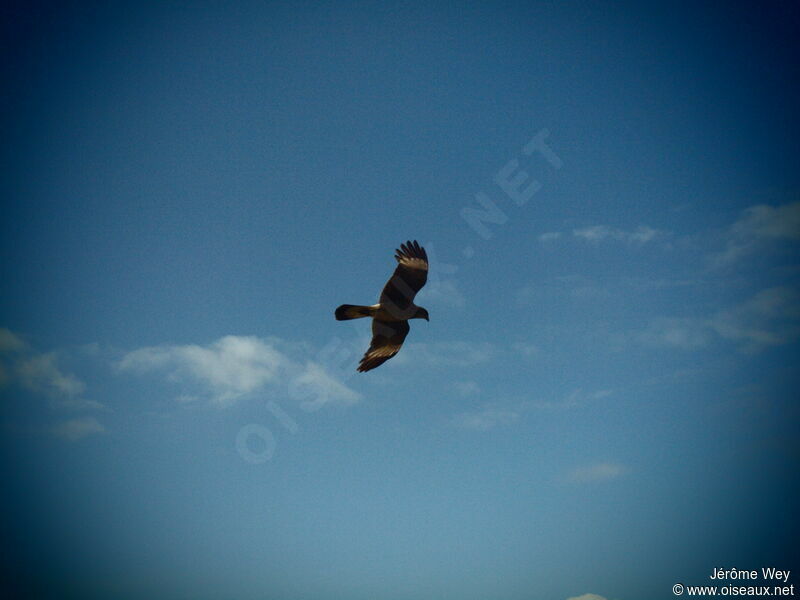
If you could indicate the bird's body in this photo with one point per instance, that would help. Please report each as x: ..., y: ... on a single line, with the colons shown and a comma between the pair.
x: 395, y: 306
x: 376, y: 311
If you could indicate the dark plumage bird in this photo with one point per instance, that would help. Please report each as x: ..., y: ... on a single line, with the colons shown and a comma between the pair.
x: 394, y: 308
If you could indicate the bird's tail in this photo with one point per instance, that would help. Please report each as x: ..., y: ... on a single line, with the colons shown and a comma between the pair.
x: 352, y: 311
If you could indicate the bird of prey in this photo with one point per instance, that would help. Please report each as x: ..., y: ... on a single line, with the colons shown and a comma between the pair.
x: 394, y: 308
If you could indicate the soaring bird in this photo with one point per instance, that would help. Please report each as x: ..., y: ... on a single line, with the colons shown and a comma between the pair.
x: 394, y: 308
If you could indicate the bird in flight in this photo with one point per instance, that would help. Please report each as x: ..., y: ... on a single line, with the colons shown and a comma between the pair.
x: 394, y: 308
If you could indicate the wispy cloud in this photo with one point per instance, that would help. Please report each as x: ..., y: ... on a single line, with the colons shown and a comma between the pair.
x: 442, y: 291
x: 597, y: 472
x: 77, y: 404
x: 587, y: 597
x: 236, y: 366
x: 76, y: 429
x: 685, y: 333
x: 41, y: 374
x: 549, y: 236
x: 757, y: 226
x: 10, y: 342
x: 316, y: 387
x: 769, y: 318
x: 466, y: 388
x: 442, y: 287
x: 598, y: 233
x: 580, y: 286
x: 526, y: 349
x: 526, y: 295
x: 574, y: 399
x: 596, y: 288
x: 493, y: 414
x: 229, y: 368
x: 447, y: 354
x: 484, y: 419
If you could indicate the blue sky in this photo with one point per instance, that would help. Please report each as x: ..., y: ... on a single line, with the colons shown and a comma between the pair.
x: 604, y: 400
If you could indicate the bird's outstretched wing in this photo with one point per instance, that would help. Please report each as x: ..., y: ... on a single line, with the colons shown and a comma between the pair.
x: 408, y: 278
x: 387, y: 338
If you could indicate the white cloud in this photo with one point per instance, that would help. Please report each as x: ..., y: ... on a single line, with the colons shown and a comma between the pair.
x: 587, y: 597
x: 484, y: 419
x: 526, y: 349
x: 549, y: 236
x: 467, y: 388
x: 575, y: 398
x: 648, y: 284
x: 526, y: 295
x: 76, y: 429
x: 641, y: 234
x: 315, y: 387
x: 442, y: 287
x: 230, y: 367
x: 598, y: 233
x: 756, y: 226
x: 9, y: 342
x: 598, y: 472
x: 442, y: 291
x: 447, y: 354
x: 770, y: 318
x: 580, y: 286
x: 585, y: 287
x: 770, y: 221
x: 41, y: 374
x: 594, y: 233
x: 77, y: 404
x: 186, y: 399
x: 685, y: 333
x: 236, y: 366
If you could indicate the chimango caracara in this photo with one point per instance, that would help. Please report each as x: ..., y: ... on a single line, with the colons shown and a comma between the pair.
x: 394, y: 308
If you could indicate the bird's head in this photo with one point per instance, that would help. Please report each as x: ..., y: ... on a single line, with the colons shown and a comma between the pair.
x: 421, y: 314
